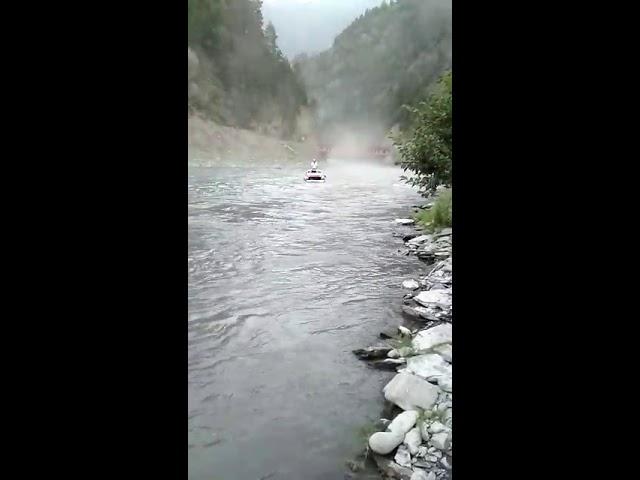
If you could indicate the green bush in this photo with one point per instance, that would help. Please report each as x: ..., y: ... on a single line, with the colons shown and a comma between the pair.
x: 439, y: 216
x: 426, y: 150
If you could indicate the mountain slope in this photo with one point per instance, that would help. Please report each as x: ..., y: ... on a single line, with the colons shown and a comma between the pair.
x: 388, y: 57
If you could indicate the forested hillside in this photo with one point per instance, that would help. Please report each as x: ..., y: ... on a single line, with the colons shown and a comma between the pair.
x: 237, y: 74
x: 388, y: 57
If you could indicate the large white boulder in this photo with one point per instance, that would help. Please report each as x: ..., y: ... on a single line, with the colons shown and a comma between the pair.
x: 410, y: 392
x: 427, y: 339
x: 428, y: 298
x: 384, y: 442
x: 403, y: 422
x: 429, y: 366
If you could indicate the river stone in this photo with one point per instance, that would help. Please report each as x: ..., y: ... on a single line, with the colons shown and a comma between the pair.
x: 434, y: 297
x: 405, y: 351
x: 419, y: 239
x: 427, y: 339
x: 445, y: 351
x: 429, y: 366
x: 424, y: 431
x: 384, y: 442
x: 410, y: 392
x: 445, y: 463
x: 393, y: 353
x: 419, y: 474
x: 403, y: 423
x: 412, y: 440
x: 437, y: 427
x: 410, y: 284
x: 440, y: 440
x: 371, y: 353
x: 404, y: 331
x: 445, y: 382
x: 418, y: 312
x: 448, y: 418
x: 403, y: 457
x: 422, y: 451
x: 405, y: 221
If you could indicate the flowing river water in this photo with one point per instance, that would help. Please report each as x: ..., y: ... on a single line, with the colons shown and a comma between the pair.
x: 285, y: 280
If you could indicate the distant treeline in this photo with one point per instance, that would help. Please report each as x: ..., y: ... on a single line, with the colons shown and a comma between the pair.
x: 388, y: 57
x: 237, y: 74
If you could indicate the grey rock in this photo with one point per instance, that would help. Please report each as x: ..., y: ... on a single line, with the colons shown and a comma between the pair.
x: 445, y: 382
x: 393, y: 354
x: 412, y: 440
x: 428, y: 298
x: 429, y: 366
x: 419, y: 240
x: 422, y: 451
x: 410, y: 392
x: 405, y: 351
x: 424, y: 431
x: 440, y: 440
x: 405, y: 221
x: 445, y: 463
x: 431, y: 476
x: 403, y: 457
x: 445, y: 351
x: 437, y: 427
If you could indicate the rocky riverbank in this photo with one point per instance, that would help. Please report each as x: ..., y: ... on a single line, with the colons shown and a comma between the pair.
x: 417, y: 444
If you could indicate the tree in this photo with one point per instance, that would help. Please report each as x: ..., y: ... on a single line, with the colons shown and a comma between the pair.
x: 427, y: 150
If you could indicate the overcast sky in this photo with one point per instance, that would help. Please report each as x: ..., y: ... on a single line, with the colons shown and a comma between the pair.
x: 311, y: 25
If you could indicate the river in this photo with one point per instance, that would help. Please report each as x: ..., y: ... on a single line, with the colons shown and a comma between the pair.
x: 285, y: 280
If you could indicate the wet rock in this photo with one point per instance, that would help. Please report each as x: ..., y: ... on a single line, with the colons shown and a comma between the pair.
x: 390, y: 364
x: 410, y: 236
x: 429, y: 298
x: 419, y: 240
x: 403, y: 457
x: 410, y: 284
x: 445, y: 462
x: 372, y: 353
x: 438, y: 335
x: 431, y: 476
x: 412, y: 440
x: 405, y: 221
x: 440, y: 440
x: 404, y: 331
x: 429, y: 366
x: 384, y: 442
x: 410, y: 392
x: 403, y: 423
x: 393, y: 354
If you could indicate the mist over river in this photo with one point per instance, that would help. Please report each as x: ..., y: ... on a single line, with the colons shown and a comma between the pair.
x: 285, y: 280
